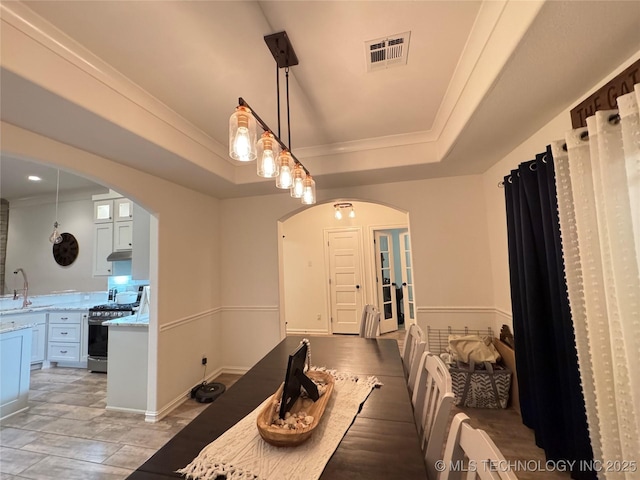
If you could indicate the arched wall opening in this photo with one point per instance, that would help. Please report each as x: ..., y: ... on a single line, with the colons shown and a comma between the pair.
x: 307, y: 302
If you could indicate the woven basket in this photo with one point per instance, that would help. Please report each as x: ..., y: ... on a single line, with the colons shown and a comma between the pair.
x: 485, y: 387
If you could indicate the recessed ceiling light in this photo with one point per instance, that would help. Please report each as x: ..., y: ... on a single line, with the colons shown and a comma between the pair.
x: 34, y: 178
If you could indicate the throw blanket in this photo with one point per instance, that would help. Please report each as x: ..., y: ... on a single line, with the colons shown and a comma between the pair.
x: 241, y: 454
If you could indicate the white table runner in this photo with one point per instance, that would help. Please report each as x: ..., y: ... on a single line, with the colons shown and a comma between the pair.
x: 241, y: 454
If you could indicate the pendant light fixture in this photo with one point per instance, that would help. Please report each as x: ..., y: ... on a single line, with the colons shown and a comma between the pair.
x: 309, y: 191
x: 55, y: 236
x: 338, y: 207
x: 284, y: 179
x: 242, y: 135
x: 268, y: 151
x: 275, y: 159
x: 298, y: 182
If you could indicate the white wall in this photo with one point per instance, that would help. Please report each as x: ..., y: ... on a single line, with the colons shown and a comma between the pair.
x: 304, y: 265
x: 449, y: 239
x: 30, y: 224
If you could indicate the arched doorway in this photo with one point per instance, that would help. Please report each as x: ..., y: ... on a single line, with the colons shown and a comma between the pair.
x: 313, y: 298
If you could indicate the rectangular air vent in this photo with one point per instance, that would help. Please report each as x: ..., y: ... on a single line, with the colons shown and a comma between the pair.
x: 387, y: 52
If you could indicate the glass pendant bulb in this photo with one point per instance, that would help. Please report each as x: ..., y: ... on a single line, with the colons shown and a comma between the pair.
x: 338, y: 214
x: 284, y: 178
x: 352, y: 213
x: 242, y: 135
x: 55, y: 237
x: 298, y: 181
x: 267, y: 151
x: 309, y: 191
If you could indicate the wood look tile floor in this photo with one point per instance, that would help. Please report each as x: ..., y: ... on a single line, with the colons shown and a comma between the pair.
x: 67, y: 433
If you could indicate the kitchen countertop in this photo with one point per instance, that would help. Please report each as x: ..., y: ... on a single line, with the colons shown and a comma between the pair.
x: 80, y: 306
x: 77, y: 301
x: 129, y: 321
x: 11, y: 326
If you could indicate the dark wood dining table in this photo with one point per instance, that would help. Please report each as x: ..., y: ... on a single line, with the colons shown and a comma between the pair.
x: 381, y: 444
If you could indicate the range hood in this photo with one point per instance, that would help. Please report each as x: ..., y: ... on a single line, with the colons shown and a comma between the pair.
x: 120, y: 255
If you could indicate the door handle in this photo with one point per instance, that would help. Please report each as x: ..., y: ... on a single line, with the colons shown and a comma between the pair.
x: 393, y: 283
x: 404, y: 284
x: 358, y: 286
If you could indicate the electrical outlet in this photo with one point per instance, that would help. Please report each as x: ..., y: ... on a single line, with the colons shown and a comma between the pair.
x: 319, y: 317
x: 204, y: 359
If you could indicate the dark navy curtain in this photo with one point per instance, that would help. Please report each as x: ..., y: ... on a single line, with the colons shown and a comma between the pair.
x: 551, y: 398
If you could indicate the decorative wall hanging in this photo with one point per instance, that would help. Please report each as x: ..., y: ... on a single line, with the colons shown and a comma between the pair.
x: 66, y: 251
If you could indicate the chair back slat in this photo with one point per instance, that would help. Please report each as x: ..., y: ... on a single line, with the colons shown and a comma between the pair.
x: 370, y: 322
x: 412, y: 339
x: 466, y: 443
x: 414, y: 366
x: 432, y: 399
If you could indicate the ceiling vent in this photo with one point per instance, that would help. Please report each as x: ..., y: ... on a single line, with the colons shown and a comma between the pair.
x: 386, y: 52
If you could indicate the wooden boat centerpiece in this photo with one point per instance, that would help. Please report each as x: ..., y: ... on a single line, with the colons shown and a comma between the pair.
x: 296, y: 408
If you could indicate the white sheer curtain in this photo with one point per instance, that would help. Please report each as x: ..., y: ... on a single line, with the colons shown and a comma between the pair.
x: 598, y: 186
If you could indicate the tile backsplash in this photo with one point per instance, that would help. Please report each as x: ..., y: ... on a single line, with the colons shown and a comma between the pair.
x: 124, y: 283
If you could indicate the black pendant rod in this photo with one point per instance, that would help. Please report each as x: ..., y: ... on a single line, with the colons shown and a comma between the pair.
x: 278, y: 96
x: 266, y: 128
x: 286, y: 73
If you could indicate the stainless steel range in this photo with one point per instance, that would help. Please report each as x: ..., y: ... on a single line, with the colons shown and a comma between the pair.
x: 99, y: 333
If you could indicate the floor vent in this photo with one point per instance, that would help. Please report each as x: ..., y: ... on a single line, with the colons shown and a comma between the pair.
x: 386, y: 52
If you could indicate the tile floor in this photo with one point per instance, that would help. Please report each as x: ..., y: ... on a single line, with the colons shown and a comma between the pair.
x: 67, y: 434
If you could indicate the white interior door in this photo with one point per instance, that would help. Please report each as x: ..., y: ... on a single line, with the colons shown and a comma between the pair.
x: 385, y: 282
x: 408, y: 301
x: 345, y: 276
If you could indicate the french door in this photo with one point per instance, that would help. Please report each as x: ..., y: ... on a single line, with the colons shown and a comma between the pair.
x: 408, y: 302
x: 385, y: 281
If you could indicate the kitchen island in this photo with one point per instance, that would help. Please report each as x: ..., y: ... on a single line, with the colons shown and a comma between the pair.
x: 128, y: 363
x: 15, y: 367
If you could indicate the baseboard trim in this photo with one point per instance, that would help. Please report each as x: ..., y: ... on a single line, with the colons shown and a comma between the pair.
x: 307, y: 331
x: 126, y: 410
x: 234, y: 370
x: 156, y: 416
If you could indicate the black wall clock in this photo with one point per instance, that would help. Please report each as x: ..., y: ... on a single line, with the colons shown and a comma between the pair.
x: 66, y: 252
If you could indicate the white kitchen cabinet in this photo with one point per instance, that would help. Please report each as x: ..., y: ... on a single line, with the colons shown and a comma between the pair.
x: 102, y: 247
x: 65, y: 334
x: 103, y: 211
x: 123, y: 209
x: 15, y: 352
x: 39, y: 342
x: 38, y: 334
x: 113, y: 230
x: 123, y: 235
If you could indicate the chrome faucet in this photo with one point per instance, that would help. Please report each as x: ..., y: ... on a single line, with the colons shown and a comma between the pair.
x: 25, y: 289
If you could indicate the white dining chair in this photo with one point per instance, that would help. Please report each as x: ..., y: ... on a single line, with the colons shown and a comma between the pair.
x: 412, y: 338
x: 432, y: 400
x: 416, y: 358
x: 370, y: 323
x: 473, y: 448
